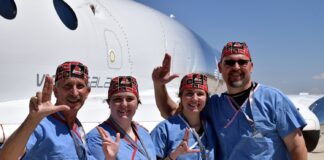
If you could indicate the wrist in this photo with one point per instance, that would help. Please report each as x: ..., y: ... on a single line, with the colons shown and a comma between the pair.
x: 110, y: 157
x: 34, y: 117
x: 172, y: 156
x: 158, y: 84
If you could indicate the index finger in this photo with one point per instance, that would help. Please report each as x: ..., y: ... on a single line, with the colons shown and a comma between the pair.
x: 166, y: 64
x: 47, y: 89
x: 186, y: 135
x: 117, y: 138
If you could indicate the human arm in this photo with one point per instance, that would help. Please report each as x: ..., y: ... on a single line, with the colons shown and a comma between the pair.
x: 183, y: 147
x: 109, y: 147
x: 161, y: 76
x: 289, y: 125
x: 295, y: 144
x: 39, y: 107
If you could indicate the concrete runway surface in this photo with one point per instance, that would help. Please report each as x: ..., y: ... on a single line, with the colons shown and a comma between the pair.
x: 315, y: 155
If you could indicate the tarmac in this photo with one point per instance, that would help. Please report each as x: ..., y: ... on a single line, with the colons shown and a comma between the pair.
x: 315, y: 155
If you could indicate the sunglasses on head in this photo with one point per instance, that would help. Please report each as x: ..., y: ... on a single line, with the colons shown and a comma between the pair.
x: 241, y: 62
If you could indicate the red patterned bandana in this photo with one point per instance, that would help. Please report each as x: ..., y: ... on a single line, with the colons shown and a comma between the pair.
x: 235, y: 48
x: 123, y: 84
x: 72, y: 69
x: 194, y: 81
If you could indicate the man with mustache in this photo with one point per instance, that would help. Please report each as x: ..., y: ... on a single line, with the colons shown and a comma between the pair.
x: 53, y: 131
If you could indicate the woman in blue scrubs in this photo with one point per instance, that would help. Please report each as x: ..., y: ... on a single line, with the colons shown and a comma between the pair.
x: 186, y: 135
x: 123, y: 138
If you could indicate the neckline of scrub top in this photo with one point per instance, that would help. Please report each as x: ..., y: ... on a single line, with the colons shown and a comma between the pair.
x: 250, y: 100
x: 111, y: 122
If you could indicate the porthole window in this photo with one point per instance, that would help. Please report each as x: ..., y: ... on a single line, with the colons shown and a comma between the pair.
x: 66, y: 14
x: 8, y: 9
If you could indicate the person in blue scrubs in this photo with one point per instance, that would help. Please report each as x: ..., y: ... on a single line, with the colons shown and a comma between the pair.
x: 251, y: 120
x: 186, y: 135
x: 53, y: 131
x: 121, y: 137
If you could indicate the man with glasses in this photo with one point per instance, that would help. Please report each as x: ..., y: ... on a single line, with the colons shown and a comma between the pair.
x: 251, y: 120
x: 53, y: 131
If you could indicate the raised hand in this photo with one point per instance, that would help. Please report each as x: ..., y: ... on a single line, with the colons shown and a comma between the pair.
x: 183, y: 147
x: 109, y: 147
x: 41, y: 105
x: 161, y: 74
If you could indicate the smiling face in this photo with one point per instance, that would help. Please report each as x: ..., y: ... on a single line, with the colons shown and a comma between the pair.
x: 71, y: 92
x: 123, y: 106
x: 193, y: 100
x: 236, y: 70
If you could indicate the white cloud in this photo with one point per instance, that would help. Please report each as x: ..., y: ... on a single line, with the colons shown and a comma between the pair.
x: 319, y: 77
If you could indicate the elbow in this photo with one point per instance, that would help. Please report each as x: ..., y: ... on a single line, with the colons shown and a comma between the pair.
x: 168, y: 114
x: 164, y: 115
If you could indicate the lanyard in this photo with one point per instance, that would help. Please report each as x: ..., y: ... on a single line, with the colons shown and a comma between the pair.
x: 117, y: 127
x: 201, y: 145
x: 76, y: 133
x: 248, y: 118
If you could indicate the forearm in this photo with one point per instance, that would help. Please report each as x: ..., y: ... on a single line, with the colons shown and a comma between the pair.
x: 165, y: 104
x: 296, y: 145
x: 14, y: 147
x: 110, y: 158
x: 299, y: 153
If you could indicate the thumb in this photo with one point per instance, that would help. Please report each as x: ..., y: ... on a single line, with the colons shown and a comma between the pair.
x: 61, y: 108
x: 193, y: 151
x: 173, y: 76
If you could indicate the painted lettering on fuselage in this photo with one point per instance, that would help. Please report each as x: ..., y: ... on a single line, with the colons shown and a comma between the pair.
x: 94, y: 81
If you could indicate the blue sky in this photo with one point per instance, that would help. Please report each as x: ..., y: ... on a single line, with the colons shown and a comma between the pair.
x: 285, y: 37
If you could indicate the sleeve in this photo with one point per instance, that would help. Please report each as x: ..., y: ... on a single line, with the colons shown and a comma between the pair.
x: 288, y: 118
x: 159, y: 138
x: 33, y: 141
x: 36, y: 136
x: 94, y: 143
x: 208, y: 111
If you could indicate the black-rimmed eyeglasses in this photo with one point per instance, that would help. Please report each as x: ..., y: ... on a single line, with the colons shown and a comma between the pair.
x: 231, y: 63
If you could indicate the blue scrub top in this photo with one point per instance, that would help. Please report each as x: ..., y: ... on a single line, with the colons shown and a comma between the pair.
x: 168, y: 134
x: 126, y: 150
x: 274, y: 117
x: 52, y: 140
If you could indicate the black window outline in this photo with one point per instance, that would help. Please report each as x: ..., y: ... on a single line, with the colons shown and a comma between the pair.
x: 318, y: 109
x: 8, y: 9
x: 66, y: 14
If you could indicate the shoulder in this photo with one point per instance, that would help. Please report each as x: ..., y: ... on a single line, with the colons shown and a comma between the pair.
x: 215, y: 100
x: 215, y: 97
x: 173, y: 123
x: 94, y: 134
x: 48, y: 121
x: 273, y: 98
x: 212, y: 104
x: 140, y: 127
x: 48, y: 124
x: 268, y: 92
x: 173, y: 120
x: 268, y: 89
